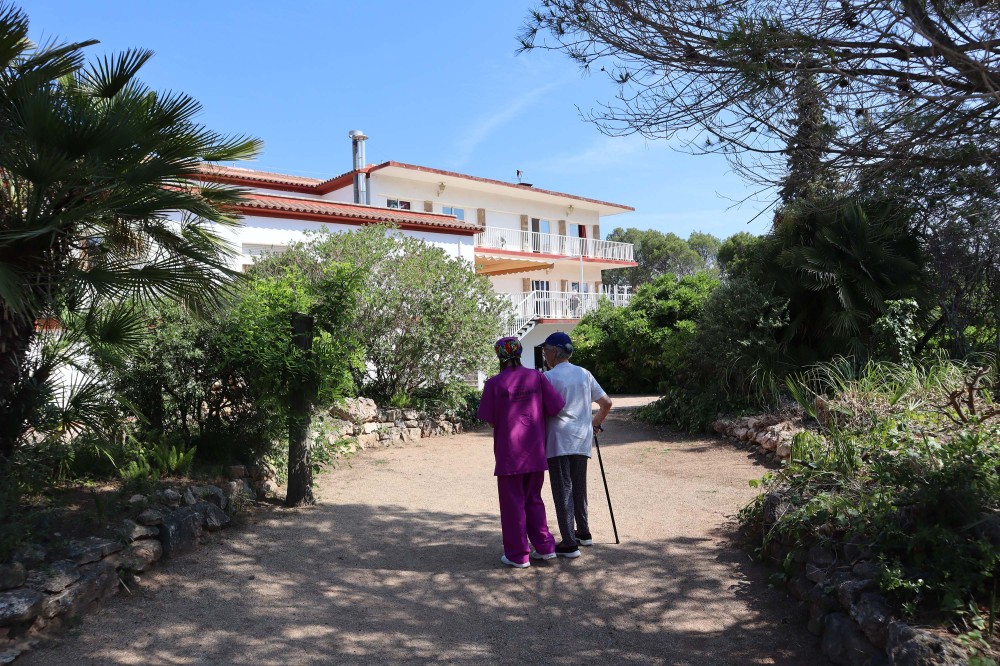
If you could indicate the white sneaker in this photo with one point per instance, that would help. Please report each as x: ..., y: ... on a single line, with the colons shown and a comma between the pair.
x: 516, y: 565
x: 535, y: 555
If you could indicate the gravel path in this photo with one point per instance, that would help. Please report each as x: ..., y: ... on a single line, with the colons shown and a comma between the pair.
x: 399, y: 563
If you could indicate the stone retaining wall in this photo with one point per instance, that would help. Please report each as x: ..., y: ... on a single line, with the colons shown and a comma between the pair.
x: 43, y: 592
x: 367, y: 425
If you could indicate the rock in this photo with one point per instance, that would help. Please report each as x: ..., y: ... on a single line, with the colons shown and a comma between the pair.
x: 411, y: 414
x: 367, y: 441
x: 30, y: 556
x: 180, y: 531
x: 817, y: 620
x: 447, y: 427
x: 189, y: 498
x: 211, y: 494
x: 774, y: 507
x: 822, y: 556
x: 356, y: 410
x: 908, y: 646
x: 137, y: 500
x: 131, y: 530
x: 237, y: 491
x: 142, y: 555
x: 12, y: 575
x: 414, y: 433
x: 371, y: 427
x: 150, y: 517
x: 844, y: 643
x: 237, y: 471
x: 872, y: 614
x: 411, y: 423
x: 269, y: 487
x: 91, y: 549
x: 849, y: 591
x: 800, y: 586
x: 818, y: 596
x: 20, y: 605
x: 103, y: 578
x: 815, y: 573
x: 783, y: 450
x: 9, y: 654
x: 867, y: 570
x: 213, y: 517
x: 72, y: 601
x: 170, y: 497
x: 55, y: 577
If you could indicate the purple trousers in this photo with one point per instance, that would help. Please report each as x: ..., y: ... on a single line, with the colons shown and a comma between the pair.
x: 522, y: 516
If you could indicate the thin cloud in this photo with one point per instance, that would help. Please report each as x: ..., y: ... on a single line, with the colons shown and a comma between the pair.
x: 486, y: 126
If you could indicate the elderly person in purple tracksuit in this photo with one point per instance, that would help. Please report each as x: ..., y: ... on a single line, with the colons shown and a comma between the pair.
x: 516, y: 403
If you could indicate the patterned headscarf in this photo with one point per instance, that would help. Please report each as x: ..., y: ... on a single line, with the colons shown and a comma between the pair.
x: 508, y: 348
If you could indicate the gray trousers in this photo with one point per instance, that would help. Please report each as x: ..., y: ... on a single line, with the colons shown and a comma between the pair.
x: 568, y: 478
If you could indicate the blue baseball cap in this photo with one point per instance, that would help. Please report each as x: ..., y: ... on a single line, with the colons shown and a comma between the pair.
x: 561, y: 340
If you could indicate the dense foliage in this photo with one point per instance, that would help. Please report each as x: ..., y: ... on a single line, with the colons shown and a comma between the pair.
x: 659, y: 253
x: 423, y: 322
x: 96, y: 210
x: 636, y: 348
x: 891, y: 473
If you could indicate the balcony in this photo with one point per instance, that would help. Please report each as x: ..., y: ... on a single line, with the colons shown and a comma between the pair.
x: 528, y: 307
x: 496, y: 238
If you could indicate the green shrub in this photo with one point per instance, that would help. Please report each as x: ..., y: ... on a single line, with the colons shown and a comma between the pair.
x: 891, y: 475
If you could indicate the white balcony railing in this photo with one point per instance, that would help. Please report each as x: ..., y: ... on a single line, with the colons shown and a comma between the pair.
x: 496, y: 238
x: 532, y: 305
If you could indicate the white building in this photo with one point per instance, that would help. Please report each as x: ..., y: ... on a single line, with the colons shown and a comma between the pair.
x: 539, y: 248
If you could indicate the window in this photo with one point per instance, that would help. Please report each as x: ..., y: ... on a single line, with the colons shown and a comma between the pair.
x: 397, y: 203
x: 457, y: 212
x: 540, y: 241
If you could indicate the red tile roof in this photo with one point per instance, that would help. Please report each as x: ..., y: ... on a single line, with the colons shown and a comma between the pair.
x: 277, y: 181
x: 267, y: 205
x: 523, y: 188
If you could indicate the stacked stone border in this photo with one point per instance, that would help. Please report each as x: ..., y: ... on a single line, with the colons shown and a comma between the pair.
x: 838, y: 587
x: 366, y: 425
x: 42, y: 593
x: 770, y: 434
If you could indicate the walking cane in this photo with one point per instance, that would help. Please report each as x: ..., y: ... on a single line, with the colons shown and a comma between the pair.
x: 605, y: 479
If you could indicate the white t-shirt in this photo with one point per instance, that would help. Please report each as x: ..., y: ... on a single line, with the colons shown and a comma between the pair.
x: 570, y: 432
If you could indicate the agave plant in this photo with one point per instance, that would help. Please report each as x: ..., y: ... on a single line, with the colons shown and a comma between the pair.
x: 97, y: 208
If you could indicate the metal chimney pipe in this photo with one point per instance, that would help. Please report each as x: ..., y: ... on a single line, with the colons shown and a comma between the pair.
x: 360, y: 178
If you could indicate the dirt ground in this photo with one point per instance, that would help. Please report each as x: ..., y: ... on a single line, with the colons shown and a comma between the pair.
x: 399, y: 563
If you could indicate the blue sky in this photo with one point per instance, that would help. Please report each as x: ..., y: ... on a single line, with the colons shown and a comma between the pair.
x: 435, y: 83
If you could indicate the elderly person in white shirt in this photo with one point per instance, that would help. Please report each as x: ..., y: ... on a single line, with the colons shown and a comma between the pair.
x: 568, y: 441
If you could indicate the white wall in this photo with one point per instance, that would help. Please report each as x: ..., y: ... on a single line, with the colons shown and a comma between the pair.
x: 502, y: 211
x: 279, y: 233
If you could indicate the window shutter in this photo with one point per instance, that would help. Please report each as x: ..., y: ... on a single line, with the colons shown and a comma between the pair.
x: 562, y: 227
x: 481, y: 217
x: 525, y: 238
x: 525, y: 285
x: 597, y: 231
x: 564, y: 286
x: 428, y: 206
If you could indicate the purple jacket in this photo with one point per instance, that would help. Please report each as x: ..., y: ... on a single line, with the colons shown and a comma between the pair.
x: 516, y: 403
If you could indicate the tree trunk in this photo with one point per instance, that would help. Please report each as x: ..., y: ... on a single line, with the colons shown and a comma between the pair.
x: 301, y: 396
x: 16, y: 397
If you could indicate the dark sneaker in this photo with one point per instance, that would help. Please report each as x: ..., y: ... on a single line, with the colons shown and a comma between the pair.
x: 584, y: 538
x: 563, y: 550
x: 535, y: 555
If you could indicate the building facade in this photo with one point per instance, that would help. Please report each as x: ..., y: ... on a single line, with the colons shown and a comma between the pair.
x: 542, y: 250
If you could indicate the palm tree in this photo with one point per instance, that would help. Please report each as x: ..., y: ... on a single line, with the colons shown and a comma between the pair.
x: 838, y: 264
x: 97, y: 207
